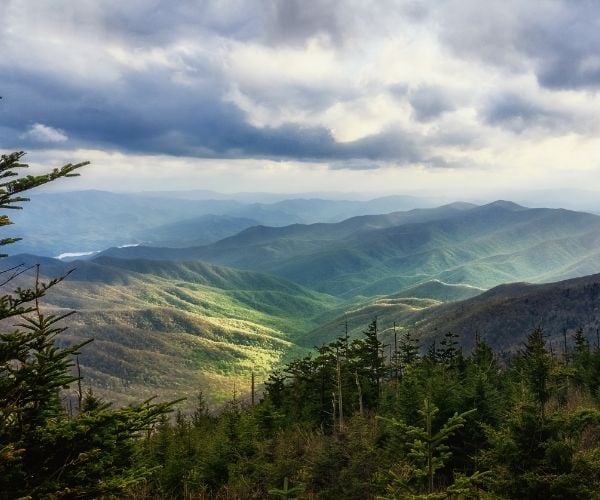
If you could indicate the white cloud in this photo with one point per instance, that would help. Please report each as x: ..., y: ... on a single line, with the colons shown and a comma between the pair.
x: 43, y: 133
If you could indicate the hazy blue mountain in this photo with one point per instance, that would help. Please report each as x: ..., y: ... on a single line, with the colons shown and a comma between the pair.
x: 457, y: 244
x: 312, y: 210
x: 573, y: 199
x: 85, y: 221
x: 54, y: 223
x: 269, y: 198
x: 286, y: 241
x: 195, y: 231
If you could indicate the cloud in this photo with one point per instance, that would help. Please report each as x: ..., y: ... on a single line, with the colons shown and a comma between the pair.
x: 296, y: 21
x: 429, y: 102
x: 351, y: 84
x: 45, y: 134
x: 149, y: 112
x: 518, y: 113
x: 556, y: 39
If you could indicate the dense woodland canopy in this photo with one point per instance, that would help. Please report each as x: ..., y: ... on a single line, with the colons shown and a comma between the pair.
x: 348, y: 421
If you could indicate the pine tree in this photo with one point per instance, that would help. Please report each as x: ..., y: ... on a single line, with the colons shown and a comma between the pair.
x: 368, y: 357
x: 427, y: 450
x: 408, y: 351
x: 582, y: 359
x: 287, y: 493
x: 536, y: 363
x: 448, y: 351
x: 43, y: 451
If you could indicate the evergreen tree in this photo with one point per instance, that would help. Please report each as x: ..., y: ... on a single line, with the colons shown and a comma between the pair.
x: 368, y: 359
x: 43, y: 451
x: 408, y: 350
x: 582, y: 360
x: 448, y: 352
x: 427, y: 448
x: 535, y: 363
x: 286, y: 493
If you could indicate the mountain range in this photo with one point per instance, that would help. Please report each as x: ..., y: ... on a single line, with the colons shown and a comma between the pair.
x: 502, y: 316
x: 482, y: 246
x: 88, y: 221
x: 198, y: 314
x: 160, y: 327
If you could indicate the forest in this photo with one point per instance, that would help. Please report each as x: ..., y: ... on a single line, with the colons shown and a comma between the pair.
x: 347, y: 423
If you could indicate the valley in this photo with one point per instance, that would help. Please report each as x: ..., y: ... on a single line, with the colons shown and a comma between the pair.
x: 189, y: 317
x: 175, y: 328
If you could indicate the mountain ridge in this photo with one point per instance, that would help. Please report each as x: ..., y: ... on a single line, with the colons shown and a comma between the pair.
x: 481, y: 246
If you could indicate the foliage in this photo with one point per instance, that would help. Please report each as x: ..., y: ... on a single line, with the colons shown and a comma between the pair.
x: 445, y: 426
x: 45, y: 450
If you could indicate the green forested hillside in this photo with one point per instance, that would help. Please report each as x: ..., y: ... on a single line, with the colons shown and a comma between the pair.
x: 399, y: 267
x: 482, y: 246
x: 501, y: 316
x: 438, y: 290
x: 281, y: 243
x: 349, y: 423
x: 165, y: 327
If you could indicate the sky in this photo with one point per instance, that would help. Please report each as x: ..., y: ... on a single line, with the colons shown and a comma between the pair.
x: 402, y: 96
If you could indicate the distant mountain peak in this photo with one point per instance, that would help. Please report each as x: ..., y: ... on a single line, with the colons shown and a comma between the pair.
x: 504, y: 204
x: 459, y: 205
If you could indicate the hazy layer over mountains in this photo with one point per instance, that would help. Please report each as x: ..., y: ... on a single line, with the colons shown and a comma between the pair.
x: 86, y: 221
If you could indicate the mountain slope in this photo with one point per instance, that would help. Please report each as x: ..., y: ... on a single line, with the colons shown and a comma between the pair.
x: 482, y: 246
x: 193, y: 326
x: 502, y: 316
x: 195, y: 231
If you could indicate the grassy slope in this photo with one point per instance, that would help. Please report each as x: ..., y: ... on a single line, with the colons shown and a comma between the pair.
x: 401, y: 308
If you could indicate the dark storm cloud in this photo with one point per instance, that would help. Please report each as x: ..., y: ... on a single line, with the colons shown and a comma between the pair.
x: 183, y: 106
x: 147, y: 115
x: 159, y: 22
x: 518, y: 114
x: 429, y: 102
x: 289, y: 22
x: 568, y: 48
x: 144, y: 110
x: 558, y: 40
x: 295, y: 21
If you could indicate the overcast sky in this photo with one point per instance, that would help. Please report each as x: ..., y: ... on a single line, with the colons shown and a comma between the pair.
x: 299, y: 95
